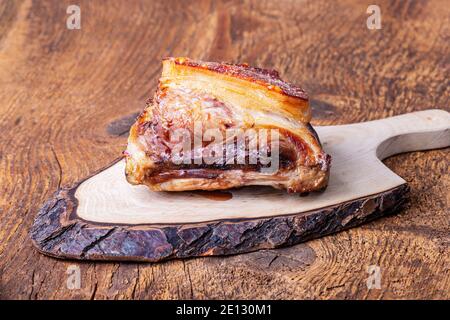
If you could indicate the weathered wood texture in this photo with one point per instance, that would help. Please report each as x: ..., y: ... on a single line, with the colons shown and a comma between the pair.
x: 64, y: 92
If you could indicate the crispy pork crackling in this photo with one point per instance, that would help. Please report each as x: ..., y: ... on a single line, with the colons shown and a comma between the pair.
x: 209, y: 121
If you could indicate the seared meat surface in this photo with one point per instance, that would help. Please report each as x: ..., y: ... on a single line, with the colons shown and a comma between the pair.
x: 216, y: 126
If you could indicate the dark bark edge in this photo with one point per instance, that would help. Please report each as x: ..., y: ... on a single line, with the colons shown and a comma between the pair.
x: 57, y: 231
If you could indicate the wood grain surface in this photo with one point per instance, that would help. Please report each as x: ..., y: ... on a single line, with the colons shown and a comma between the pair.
x: 68, y: 96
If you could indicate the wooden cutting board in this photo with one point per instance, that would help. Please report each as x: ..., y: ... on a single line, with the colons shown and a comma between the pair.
x: 104, y: 218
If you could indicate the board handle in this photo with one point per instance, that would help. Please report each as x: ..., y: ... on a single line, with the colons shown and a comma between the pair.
x: 422, y: 130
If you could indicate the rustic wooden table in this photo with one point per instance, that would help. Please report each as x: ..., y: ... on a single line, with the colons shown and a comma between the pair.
x: 67, y: 98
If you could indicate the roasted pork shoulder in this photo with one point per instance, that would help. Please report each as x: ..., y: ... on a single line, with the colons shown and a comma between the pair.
x: 214, y: 126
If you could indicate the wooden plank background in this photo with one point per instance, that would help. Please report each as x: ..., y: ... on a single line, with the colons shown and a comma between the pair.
x: 67, y: 98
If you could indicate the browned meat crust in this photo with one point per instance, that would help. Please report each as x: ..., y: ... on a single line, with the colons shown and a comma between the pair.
x: 223, y: 96
x: 244, y: 71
